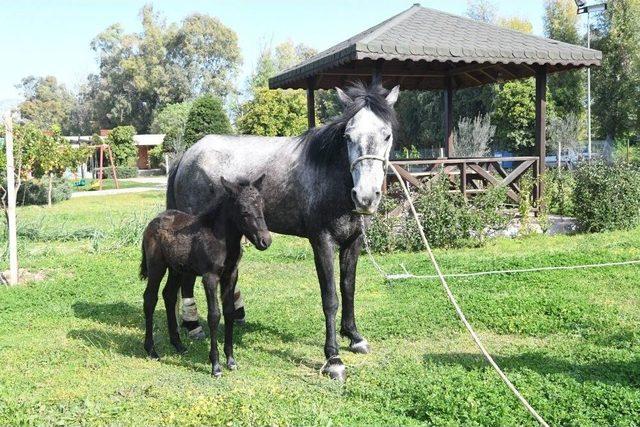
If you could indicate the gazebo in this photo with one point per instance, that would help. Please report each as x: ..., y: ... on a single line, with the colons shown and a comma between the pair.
x: 426, y: 49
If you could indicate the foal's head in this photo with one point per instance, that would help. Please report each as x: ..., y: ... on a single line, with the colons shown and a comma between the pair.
x: 247, y: 210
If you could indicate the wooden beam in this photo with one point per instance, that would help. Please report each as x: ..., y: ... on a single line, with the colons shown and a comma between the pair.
x: 311, y: 103
x: 448, y: 117
x: 541, y: 127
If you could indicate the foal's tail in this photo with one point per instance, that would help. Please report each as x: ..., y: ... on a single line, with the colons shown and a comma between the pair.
x: 143, y: 265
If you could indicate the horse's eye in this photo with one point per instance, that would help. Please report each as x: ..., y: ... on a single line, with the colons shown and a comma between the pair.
x: 387, y: 138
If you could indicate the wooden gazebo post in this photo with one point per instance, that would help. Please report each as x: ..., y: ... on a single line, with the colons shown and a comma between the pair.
x: 541, y: 128
x: 448, y: 116
x: 311, y: 103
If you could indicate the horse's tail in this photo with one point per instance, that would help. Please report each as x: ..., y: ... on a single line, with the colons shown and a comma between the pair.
x: 171, y: 179
x: 143, y: 265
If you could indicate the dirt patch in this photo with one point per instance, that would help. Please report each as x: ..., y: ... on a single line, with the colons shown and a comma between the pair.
x: 24, y: 276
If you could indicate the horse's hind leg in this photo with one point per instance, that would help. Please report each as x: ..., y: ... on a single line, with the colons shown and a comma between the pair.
x: 155, y: 275
x: 189, y: 309
x: 170, y: 296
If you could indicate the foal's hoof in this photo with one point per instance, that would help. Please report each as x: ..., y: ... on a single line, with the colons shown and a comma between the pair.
x: 180, y: 348
x: 196, y: 334
x: 361, y: 347
x: 216, y: 371
x: 231, y: 364
x: 335, y: 369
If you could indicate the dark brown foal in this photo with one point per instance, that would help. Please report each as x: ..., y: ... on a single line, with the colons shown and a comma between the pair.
x: 206, y: 245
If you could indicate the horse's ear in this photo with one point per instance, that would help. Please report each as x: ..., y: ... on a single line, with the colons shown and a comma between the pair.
x: 393, y: 96
x: 231, y: 188
x: 258, y: 182
x: 345, y: 100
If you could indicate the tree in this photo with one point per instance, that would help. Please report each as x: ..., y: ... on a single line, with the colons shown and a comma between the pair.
x: 140, y: 73
x: 207, y: 116
x: 172, y: 121
x: 566, y: 88
x: 482, y: 10
x: 473, y: 137
x: 120, y: 139
x: 46, y: 103
x: 274, y: 113
x: 616, y: 84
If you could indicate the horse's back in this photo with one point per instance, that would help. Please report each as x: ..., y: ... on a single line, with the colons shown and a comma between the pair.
x: 215, y: 156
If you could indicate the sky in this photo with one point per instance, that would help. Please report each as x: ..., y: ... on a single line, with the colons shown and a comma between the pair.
x: 52, y: 37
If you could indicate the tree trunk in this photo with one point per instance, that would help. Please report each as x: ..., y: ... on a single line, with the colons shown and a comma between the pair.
x: 50, y: 189
x: 11, y: 202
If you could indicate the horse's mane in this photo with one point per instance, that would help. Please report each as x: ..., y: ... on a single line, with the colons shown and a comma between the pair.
x: 326, y: 142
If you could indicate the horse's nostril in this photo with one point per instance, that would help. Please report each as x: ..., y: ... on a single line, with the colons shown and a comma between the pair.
x: 354, y: 194
x: 378, y: 193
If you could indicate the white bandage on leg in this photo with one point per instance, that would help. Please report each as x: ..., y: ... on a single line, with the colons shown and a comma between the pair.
x: 189, y: 310
x: 238, y: 303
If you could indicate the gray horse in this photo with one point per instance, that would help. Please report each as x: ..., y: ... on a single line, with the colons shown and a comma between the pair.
x: 316, y: 186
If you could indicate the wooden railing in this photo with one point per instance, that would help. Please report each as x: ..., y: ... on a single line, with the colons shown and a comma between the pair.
x: 469, y: 175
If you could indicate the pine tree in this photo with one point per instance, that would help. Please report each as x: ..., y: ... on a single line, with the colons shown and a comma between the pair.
x: 207, y: 116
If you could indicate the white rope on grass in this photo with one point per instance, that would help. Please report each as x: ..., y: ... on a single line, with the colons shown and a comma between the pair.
x: 454, y: 302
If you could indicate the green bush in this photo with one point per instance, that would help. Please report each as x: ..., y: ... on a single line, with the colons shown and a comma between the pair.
x: 206, y: 117
x: 123, y: 172
x: 447, y: 218
x: 121, y: 141
x: 559, y: 187
x: 35, y: 192
x: 607, y: 196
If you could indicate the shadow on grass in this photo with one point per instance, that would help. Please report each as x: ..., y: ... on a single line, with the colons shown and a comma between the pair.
x: 121, y: 314
x: 625, y: 373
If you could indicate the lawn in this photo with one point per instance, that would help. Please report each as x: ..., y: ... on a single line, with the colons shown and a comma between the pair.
x: 108, y: 184
x: 71, y: 345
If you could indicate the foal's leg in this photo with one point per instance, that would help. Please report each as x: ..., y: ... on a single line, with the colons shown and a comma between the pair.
x: 228, y: 282
x: 154, y: 278
x: 170, y: 296
x: 189, y: 309
x: 349, y: 253
x: 323, y: 255
x: 210, y: 281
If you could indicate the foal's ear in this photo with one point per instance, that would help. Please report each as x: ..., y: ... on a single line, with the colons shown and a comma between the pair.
x: 230, y: 187
x: 258, y: 182
x: 345, y: 99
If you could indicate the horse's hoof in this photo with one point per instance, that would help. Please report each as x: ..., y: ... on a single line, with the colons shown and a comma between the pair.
x: 152, y: 354
x: 231, y: 364
x: 196, y: 334
x: 216, y: 372
x: 334, y: 369
x: 361, y: 347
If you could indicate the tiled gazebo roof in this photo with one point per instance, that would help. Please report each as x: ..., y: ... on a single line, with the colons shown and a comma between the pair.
x: 420, y: 48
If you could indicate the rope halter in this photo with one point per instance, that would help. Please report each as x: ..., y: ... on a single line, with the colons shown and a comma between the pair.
x: 385, y: 162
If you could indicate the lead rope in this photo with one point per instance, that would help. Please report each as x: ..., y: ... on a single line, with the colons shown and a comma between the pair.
x: 453, y: 301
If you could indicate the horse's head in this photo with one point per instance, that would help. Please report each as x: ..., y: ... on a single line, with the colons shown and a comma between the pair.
x: 248, y: 207
x: 369, y: 136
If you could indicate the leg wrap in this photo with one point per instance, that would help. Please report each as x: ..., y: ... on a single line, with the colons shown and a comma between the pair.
x: 189, y: 310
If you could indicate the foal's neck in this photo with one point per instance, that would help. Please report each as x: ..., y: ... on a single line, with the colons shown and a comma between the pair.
x: 221, y: 219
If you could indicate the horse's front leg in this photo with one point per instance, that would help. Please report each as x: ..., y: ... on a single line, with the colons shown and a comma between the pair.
x: 227, y: 295
x: 210, y: 281
x: 349, y: 253
x: 323, y: 254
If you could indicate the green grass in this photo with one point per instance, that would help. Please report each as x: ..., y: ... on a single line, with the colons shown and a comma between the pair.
x: 71, y: 345
x: 108, y: 184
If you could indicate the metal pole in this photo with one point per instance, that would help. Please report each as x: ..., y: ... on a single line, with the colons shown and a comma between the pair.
x: 11, y: 201
x: 588, y: 90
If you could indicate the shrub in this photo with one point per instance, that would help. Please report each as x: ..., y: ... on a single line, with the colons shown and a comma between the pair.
x: 206, y: 116
x: 35, y: 192
x: 121, y: 141
x: 273, y: 113
x: 473, y: 137
x: 123, y: 172
x: 447, y: 218
x: 607, y: 196
x: 560, y: 185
